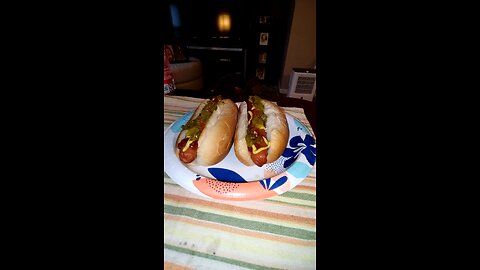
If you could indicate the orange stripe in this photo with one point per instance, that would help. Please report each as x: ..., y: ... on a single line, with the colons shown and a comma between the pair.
x: 304, y: 188
x: 309, y: 180
x: 235, y: 210
x: 172, y: 266
x: 234, y: 230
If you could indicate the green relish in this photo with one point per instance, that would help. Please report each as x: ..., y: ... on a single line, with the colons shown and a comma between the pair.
x: 256, y: 122
x: 194, y: 127
x: 257, y: 103
x: 252, y: 139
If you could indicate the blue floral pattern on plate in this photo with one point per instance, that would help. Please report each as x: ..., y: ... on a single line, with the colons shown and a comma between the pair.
x: 305, y: 146
x: 231, y: 176
x: 266, y: 183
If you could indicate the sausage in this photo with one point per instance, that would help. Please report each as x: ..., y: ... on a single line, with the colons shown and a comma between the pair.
x: 260, y: 158
x: 190, y: 154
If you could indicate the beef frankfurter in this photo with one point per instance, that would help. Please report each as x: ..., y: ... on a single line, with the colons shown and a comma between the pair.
x: 262, y: 132
x: 207, y: 137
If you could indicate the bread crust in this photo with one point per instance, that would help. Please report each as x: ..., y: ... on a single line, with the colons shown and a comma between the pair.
x: 240, y: 144
x: 277, y: 130
x: 277, y: 133
x: 216, y: 138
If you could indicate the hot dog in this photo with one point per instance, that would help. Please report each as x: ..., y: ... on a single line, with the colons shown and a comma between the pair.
x: 261, y: 133
x: 208, y: 135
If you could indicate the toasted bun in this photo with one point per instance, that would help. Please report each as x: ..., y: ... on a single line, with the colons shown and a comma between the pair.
x: 216, y: 138
x: 240, y: 144
x: 277, y: 133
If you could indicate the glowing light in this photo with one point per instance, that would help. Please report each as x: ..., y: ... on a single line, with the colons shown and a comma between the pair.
x: 224, y: 22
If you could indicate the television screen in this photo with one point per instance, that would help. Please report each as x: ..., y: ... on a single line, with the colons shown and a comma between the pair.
x: 206, y: 21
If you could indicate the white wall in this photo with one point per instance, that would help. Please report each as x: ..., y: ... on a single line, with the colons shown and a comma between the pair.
x: 301, y: 48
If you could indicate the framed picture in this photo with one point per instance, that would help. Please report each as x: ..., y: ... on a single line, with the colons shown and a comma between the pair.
x: 262, y: 57
x: 263, y: 38
x: 260, y: 73
x: 264, y: 19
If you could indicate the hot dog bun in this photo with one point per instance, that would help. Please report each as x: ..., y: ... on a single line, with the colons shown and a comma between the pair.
x: 216, y: 138
x: 276, y: 128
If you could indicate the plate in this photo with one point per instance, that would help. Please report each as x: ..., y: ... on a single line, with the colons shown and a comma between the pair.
x: 230, y: 169
x: 249, y: 183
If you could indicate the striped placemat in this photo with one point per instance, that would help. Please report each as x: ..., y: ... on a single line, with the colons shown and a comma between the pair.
x: 202, y: 233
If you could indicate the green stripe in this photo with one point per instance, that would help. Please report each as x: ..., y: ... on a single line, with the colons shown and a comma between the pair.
x: 216, y: 258
x: 171, y: 184
x: 274, y: 199
x: 241, y: 223
x: 294, y: 200
x: 301, y: 196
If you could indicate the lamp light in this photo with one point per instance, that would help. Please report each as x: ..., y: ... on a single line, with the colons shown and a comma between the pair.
x: 224, y: 22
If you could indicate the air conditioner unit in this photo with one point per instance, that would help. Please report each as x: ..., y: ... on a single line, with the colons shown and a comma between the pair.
x: 303, y: 84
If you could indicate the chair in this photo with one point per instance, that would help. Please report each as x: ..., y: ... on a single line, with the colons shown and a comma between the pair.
x: 188, y: 75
